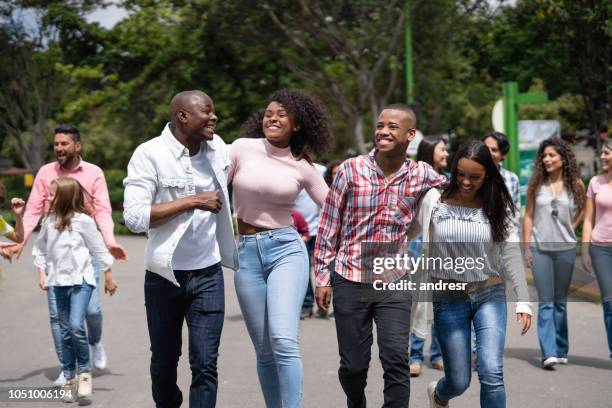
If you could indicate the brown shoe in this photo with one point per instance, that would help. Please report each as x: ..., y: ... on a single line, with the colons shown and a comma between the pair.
x: 415, y: 369
x: 438, y: 364
x: 306, y: 314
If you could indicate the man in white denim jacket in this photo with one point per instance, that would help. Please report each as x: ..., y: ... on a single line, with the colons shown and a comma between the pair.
x: 176, y: 192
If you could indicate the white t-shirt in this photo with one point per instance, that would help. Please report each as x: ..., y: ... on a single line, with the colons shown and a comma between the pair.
x: 198, y: 247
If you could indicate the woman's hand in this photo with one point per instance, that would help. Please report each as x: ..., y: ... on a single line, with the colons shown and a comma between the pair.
x: 585, y: 258
x: 525, y: 320
x: 41, y: 279
x: 6, y: 250
x: 527, y: 257
x: 17, y: 206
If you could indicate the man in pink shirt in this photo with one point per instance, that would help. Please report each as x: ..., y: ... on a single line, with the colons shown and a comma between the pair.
x: 67, y: 148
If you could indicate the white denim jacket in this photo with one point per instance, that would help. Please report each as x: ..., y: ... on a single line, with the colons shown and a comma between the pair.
x: 160, y: 171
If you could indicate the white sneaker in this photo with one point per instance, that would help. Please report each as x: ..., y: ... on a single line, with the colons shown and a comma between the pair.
x: 562, y: 360
x: 550, y: 362
x: 69, y: 390
x: 431, y: 391
x: 85, y: 386
x: 98, y: 356
x: 60, y: 380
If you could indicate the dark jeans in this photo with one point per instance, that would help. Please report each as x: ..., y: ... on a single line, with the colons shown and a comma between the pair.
x: 199, y: 300
x: 356, y: 306
x: 309, y: 298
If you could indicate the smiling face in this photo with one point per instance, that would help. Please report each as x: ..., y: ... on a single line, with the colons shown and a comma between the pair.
x: 551, y: 160
x: 200, y: 118
x: 440, y: 156
x: 66, y: 149
x: 278, y: 125
x: 393, y: 132
x: 470, y: 177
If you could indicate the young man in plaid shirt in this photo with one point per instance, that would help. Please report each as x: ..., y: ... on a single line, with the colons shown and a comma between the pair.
x: 373, y: 199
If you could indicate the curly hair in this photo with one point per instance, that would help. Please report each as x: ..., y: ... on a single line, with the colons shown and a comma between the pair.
x: 310, y: 114
x: 493, y: 195
x: 569, y: 172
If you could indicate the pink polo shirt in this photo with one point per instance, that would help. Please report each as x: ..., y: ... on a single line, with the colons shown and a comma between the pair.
x: 97, y: 202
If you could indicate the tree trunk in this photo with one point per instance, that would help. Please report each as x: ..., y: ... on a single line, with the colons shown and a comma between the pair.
x: 356, y: 124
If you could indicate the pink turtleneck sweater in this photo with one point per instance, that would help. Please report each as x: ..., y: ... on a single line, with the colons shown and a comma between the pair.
x: 266, y: 181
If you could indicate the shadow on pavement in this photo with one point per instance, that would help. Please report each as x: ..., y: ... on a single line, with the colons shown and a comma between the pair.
x: 532, y: 356
x: 234, y: 318
x: 49, y: 372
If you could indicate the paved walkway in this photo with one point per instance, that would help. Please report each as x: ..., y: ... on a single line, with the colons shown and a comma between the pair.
x: 27, y: 358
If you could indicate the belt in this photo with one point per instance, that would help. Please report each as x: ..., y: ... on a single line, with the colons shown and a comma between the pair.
x: 478, y: 286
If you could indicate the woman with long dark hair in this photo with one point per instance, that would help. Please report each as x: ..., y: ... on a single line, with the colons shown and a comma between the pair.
x: 433, y: 151
x: 269, y: 165
x: 472, y: 219
x: 597, y: 234
x: 555, y: 206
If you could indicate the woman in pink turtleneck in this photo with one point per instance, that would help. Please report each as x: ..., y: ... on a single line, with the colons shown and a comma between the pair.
x: 269, y: 165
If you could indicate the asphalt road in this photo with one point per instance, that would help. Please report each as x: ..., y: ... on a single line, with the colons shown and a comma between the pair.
x: 27, y: 358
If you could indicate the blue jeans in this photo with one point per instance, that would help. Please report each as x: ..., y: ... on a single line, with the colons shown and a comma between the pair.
x: 552, y: 272
x: 201, y: 301
x: 601, y: 256
x: 71, y: 302
x: 270, y: 285
x: 94, y: 315
x: 309, y: 298
x: 487, y: 311
x: 416, y: 347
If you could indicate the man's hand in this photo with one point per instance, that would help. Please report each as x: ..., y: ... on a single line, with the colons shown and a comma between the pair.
x: 323, y: 296
x: 525, y: 320
x: 17, y: 206
x: 208, y: 201
x: 118, y: 252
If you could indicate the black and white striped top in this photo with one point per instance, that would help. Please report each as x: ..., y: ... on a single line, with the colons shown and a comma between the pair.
x: 461, y: 246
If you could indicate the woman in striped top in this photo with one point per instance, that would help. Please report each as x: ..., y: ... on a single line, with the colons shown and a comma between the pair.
x: 473, y: 219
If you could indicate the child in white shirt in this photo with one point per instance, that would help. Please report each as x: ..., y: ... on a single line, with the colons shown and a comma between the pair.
x: 68, y: 239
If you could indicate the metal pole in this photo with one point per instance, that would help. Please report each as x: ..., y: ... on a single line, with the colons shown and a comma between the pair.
x: 511, y: 125
x: 408, y: 46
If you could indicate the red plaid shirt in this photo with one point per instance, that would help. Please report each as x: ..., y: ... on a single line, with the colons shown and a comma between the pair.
x: 364, y: 206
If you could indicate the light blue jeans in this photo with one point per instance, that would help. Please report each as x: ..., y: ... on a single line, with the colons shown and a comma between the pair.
x: 71, y: 302
x: 416, y: 348
x: 601, y: 256
x: 94, y: 315
x: 552, y: 273
x: 271, y: 284
x: 487, y: 311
